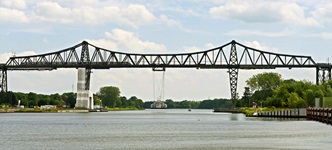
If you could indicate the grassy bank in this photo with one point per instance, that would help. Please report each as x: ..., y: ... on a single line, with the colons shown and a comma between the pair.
x: 123, y: 109
x: 250, y: 110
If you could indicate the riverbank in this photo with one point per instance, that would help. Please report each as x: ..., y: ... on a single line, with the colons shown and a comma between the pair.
x: 54, y: 110
x: 123, y: 109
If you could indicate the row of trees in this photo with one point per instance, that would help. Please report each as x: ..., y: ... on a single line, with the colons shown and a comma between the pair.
x: 34, y: 99
x: 205, y: 104
x: 269, y: 89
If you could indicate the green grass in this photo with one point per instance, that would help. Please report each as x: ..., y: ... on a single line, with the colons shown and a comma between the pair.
x: 122, y: 109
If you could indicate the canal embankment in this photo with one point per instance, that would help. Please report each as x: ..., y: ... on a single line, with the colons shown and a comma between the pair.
x: 287, y: 113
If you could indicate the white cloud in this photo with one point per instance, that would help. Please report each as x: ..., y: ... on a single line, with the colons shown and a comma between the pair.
x: 282, y: 33
x: 323, y: 13
x: 191, y: 49
x: 132, y: 15
x: 263, y: 11
x: 126, y: 41
x: 16, y: 4
x: 13, y: 15
x: 326, y: 35
x: 259, y: 46
x: 169, y: 22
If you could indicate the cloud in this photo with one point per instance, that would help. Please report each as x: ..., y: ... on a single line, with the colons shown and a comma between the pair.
x: 191, y: 49
x: 133, y: 15
x: 13, y: 16
x: 169, y: 22
x: 126, y: 41
x: 263, y: 11
x: 259, y: 46
x: 282, y: 33
x: 326, y: 35
x: 15, y: 4
x: 323, y: 13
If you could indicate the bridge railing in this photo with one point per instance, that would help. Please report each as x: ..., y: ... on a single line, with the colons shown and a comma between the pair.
x: 320, y: 114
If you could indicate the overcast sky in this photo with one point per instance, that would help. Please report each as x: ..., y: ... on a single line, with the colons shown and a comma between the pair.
x: 298, y: 27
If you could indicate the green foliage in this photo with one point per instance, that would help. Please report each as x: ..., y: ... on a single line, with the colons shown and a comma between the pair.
x: 216, y: 103
x: 264, y: 81
x: 110, y: 96
x: 69, y: 99
x: 185, y: 104
x: 286, y: 93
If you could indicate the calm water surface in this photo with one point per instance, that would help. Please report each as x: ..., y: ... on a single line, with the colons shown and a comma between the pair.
x: 158, y: 129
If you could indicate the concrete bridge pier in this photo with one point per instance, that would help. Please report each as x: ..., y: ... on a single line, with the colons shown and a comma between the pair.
x: 84, y: 95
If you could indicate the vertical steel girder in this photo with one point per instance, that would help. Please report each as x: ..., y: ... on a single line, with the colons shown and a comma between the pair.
x: 233, y: 74
x: 4, y: 80
x: 85, y: 59
x: 87, y: 78
x: 323, y: 74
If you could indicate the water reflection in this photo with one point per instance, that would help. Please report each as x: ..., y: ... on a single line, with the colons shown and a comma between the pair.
x: 234, y: 117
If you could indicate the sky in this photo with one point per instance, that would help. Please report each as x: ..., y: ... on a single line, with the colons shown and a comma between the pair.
x: 28, y: 27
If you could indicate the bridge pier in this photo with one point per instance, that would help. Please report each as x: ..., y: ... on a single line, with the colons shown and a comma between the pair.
x: 84, y: 95
x: 3, y: 80
x: 323, y: 73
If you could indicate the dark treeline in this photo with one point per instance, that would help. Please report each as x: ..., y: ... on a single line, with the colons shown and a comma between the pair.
x: 109, y: 96
x: 33, y: 99
x: 205, y: 104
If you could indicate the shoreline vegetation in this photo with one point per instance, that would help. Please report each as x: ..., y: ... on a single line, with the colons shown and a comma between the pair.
x: 244, y: 110
x: 54, y: 110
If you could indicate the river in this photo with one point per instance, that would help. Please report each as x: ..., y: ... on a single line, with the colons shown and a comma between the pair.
x: 159, y: 129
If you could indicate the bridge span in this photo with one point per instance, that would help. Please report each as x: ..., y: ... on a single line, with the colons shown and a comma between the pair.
x: 232, y: 56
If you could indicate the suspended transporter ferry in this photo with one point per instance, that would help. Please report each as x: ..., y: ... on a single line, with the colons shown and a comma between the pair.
x: 158, y: 105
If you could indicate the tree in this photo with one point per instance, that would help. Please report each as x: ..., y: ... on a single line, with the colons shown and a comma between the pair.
x: 33, y: 99
x: 69, y: 99
x: 263, y: 84
x: 109, y: 95
x: 264, y: 81
x: 246, y: 97
x: 170, y: 103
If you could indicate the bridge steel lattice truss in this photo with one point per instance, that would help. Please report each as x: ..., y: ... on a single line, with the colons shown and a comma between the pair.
x: 232, y: 56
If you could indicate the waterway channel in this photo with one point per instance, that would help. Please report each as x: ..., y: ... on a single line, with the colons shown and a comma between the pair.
x: 159, y: 129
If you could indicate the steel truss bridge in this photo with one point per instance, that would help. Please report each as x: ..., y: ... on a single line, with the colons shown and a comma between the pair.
x: 232, y: 56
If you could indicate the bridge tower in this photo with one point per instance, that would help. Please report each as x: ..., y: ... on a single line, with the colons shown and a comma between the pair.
x: 84, y: 95
x: 233, y: 73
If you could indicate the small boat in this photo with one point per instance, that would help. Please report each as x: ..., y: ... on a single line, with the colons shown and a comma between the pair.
x: 189, y: 109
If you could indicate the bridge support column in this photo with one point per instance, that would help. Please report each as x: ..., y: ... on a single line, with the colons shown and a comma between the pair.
x: 233, y: 73
x: 84, y: 95
x: 233, y: 76
x: 3, y: 80
x: 323, y: 74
